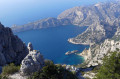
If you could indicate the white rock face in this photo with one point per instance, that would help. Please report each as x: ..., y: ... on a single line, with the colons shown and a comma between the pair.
x: 90, y: 75
x: 96, y: 53
x: 86, y: 54
x: 17, y: 76
x: 33, y: 62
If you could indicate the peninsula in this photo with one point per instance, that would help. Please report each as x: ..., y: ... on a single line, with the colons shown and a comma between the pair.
x: 71, y: 52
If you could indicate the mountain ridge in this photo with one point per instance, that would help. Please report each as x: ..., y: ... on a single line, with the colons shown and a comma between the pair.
x: 44, y: 23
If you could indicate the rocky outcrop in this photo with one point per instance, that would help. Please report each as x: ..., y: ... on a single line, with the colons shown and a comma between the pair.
x: 44, y: 23
x: 86, y: 54
x: 30, y: 47
x: 71, y: 52
x: 12, y: 49
x: 96, y: 53
x: 33, y: 62
x: 17, y: 76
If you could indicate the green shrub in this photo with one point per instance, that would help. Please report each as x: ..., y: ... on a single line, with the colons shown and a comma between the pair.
x: 3, y: 77
x: 10, y: 69
x: 53, y: 72
x: 110, y: 68
x: 48, y: 62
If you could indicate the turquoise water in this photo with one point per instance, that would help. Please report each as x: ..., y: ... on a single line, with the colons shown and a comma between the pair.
x: 21, y: 12
x: 53, y: 44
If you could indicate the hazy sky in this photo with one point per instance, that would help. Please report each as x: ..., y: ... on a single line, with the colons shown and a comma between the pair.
x: 23, y: 11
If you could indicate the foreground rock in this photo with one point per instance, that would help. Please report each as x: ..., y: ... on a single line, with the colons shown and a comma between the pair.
x: 33, y: 62
x: 30, y: 47
x: 12, y: 49
x: 17, y: 76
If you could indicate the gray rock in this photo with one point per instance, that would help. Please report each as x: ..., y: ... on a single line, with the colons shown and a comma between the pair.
x: 33, y: 62
x: 0, y: 69
x: 94, y: 56
x: 2, y: 59
x: 30, y: 47
x: 12, y: 49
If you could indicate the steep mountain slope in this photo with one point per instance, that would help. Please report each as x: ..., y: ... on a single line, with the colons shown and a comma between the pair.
x: 12, y: 49
x: 102, y: 19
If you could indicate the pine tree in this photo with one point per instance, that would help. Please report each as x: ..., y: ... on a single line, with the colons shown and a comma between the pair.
x: 110, y: 68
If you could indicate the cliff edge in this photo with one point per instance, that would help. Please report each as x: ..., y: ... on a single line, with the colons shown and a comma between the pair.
x: 12, y: 49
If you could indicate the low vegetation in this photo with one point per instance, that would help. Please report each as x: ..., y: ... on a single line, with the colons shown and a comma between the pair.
x: 8, y: 70
x: 110, y: 68
x: 51, y: 71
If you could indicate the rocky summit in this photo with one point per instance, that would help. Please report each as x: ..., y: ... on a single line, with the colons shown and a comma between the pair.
x: 33, y: 62
x: 12, y: 49
x: 30, y: 47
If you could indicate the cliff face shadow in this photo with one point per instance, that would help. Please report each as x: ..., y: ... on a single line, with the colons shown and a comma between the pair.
x: 110, y: 30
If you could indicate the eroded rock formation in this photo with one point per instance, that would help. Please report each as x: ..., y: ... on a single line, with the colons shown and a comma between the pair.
x: 33, y: 62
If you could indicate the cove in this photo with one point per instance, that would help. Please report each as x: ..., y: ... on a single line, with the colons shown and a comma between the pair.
x: 53, y: 44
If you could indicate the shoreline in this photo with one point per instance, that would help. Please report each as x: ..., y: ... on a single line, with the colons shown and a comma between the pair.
x: 82, y: 56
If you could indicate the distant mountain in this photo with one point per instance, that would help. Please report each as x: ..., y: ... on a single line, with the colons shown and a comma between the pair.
x: 103, y: 20
x: 44, y: 23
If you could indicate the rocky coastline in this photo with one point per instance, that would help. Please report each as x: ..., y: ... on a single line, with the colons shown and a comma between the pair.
x: 71, y: 52
x: 94, y: 55
x: 70, y: 40
x: 85, y: 54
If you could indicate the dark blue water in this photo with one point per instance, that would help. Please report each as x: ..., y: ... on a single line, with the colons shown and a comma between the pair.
x: 53, y: 44
x: 21, y: 12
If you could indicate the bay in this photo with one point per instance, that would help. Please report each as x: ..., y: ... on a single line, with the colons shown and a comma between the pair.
x: 53, y: 44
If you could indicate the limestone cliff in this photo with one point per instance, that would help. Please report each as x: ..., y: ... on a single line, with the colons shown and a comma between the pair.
x: 102, y: 19
x: 95, y: 54
x: 12, y: 49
